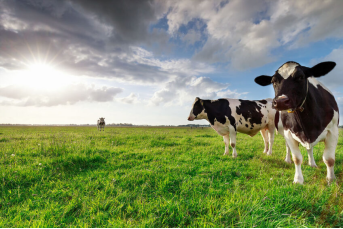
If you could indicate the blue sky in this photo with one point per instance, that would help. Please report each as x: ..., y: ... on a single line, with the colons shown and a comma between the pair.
x: 144, y: 62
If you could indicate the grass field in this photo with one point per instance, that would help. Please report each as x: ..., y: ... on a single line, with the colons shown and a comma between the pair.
x: 158, y: 177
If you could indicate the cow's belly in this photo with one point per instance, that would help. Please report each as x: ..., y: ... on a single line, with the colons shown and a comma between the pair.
x: 222, y: 129
x: 251, y: 128
x: 249, y: 131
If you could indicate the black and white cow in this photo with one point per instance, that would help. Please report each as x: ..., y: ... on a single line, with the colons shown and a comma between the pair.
x: 101, y: 124
x: 309, y: 112
x: 229, y: 116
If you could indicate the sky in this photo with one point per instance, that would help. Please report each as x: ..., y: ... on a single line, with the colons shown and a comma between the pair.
x: 144, y: 62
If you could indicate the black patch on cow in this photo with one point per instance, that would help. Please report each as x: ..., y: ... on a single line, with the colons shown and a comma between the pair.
x: 246, y: 125
x: 240, y: 122
x: 276, y: 120
x: 197, y: 108
x: 219, y: 110
x: 263, y: 101
x: 250, y: 111
x: 318, y: 113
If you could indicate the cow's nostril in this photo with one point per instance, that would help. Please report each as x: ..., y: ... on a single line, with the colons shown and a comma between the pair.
x: 274, y: 103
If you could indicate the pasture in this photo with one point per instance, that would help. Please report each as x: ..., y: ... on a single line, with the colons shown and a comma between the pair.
x: 158, y: 177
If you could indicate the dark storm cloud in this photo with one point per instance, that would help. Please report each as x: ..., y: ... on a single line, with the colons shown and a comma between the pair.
x: 81, y: 37
x: 130, y: 19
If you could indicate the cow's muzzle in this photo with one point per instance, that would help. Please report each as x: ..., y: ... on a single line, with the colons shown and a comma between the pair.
x: 281, y: 103
x: 191, y: 117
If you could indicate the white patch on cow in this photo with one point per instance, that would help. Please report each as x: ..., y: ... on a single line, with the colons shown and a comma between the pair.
x: 332, y: 125
x: 295, y: 137
x: 202, y: 115
x: 282, y: 96
x: 287, y: 69
x: 222, y: 129
x: 315, y: 83
x: 214, y: 100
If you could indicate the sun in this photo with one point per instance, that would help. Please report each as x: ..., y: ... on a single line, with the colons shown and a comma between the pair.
x: 41, y: 75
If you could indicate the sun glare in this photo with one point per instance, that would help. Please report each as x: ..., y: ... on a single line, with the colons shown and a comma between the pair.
x: 43, y: 76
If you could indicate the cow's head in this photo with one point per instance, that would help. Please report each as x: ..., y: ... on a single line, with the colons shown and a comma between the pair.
x: 198, y: 111
x: 102, y: 119
x: 290, y: 83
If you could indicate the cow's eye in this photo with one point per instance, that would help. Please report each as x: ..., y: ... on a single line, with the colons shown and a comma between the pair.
x: 273, y: 81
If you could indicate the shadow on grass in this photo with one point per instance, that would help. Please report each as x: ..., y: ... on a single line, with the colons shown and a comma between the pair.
x: 4, y: 140
x: 70, y: 166
x: 73, y: 165
x: 276, y: 162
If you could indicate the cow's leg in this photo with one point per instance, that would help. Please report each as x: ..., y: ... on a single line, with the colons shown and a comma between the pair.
x: 288, y: 154
x: 233, y: 141
x: 311, y: 161
x: 297, y: 158
x: 265, y: 140
x: 271, y: 131
x: 227, y: 142
x: 329, y: 153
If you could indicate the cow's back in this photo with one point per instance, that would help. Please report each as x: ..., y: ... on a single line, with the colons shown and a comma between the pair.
x: 251, y: 115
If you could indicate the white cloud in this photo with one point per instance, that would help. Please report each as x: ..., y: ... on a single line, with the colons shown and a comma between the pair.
x: 181, y: 91
x: 20, y: 95
x: 130, y: 99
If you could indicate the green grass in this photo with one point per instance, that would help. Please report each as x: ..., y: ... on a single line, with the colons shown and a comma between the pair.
x: 158, y: 177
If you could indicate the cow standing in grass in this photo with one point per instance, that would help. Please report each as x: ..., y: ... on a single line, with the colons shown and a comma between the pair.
x: 101, y: 124
x: 309, y: 112
x: 229, y: 116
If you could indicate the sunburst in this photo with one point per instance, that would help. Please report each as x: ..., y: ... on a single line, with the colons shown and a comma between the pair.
x: 41, y: 69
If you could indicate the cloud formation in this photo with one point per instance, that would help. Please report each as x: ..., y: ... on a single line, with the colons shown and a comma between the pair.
x: 245, y: 33
x: 181, y: 91
x: 125, y: 41
x: 20, y: 95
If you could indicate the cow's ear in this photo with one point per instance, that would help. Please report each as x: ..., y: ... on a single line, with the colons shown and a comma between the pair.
x: 263, y: 80
x: 322, y: 69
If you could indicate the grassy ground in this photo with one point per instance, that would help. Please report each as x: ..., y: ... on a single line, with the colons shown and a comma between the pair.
x: 158, y: 177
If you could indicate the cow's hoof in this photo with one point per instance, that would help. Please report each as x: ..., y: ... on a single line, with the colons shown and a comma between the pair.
x: 298, y: 180
x: 226, y: 153
x: 289, y: 161
x: 330, y: 179
x: 269, y: 153
x: 313, y: 165
x: 234, y: 155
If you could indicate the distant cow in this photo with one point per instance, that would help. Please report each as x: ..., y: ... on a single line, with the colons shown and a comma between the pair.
x: 309, y: 112
x: 101, y: 124
x: 229, y: 116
